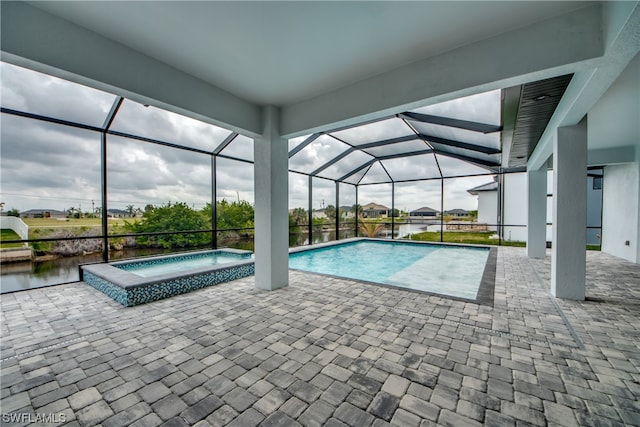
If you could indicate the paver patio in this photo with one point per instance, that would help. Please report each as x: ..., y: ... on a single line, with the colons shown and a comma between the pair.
x: 326, y: 351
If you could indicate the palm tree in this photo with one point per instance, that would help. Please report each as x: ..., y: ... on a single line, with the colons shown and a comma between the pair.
x: 299, y: 216
x: 371, y: 229
x: 357, y: 210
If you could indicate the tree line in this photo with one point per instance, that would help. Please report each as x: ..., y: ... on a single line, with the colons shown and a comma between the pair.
x: 234, y: 220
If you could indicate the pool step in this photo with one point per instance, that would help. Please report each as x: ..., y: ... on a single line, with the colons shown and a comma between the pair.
x: 442, y: 273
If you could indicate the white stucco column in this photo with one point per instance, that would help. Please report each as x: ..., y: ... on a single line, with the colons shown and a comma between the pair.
x: 537, y: 213
x: 568, y: 260
x: 271, y: 189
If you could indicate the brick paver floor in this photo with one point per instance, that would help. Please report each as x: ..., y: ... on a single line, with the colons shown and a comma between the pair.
x: 326, y: 351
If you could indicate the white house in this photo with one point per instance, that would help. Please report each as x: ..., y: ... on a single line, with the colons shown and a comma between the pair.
x: 487, y: 204
x: 514, y: 207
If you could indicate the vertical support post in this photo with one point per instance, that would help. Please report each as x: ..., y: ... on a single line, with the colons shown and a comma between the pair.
x: 271, y: 177
x: 103, y: 170
x: 214, y: 204
x: 568, y: 261
x: 500, y: 207
x: 393, y: 208
x: 537, y: 213
x: 310, y: 213
x: 357, y: 210
x: 115, y: 107
x: 441, y: 209
x: 337, y: 210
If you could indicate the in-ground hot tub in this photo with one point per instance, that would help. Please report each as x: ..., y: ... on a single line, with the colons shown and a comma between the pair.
x: 145, y: 280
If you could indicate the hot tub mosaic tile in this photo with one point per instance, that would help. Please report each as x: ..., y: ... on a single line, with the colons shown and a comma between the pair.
x: 130, y: 290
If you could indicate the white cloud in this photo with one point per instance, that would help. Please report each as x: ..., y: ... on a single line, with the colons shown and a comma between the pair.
x: 51, y: 166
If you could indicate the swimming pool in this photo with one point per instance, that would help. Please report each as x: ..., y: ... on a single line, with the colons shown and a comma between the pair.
x: 145, y: 280
x: 451, y: 270
x: 457, y: 271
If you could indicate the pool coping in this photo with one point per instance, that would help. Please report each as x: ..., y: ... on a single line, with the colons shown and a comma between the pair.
x: 484, y: 296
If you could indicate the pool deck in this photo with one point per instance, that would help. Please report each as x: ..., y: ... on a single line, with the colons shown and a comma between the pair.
x: 328, y: 351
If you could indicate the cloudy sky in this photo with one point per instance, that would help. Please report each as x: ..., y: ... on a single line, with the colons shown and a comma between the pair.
x: 50, y: 166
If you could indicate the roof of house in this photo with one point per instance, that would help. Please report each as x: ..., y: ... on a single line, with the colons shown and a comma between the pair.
x: 41, y: 211
x: 424, y: 209
x: 375, y: 206
x: 489, y: 186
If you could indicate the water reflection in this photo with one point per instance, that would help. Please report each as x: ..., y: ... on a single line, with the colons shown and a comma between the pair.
x: 28, y: 275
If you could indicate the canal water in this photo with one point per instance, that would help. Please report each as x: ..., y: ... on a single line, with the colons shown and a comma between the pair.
x: 28, y: 275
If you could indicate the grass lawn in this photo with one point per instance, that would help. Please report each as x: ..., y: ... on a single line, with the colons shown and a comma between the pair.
x: 473, y: 237
x: 8, y: 234
x: 71, y: 222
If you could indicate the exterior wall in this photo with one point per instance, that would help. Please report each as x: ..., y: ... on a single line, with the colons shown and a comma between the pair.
x: 515, y: 207
x: 15, y: 224
x: 621, y: 210
x: 613, y: 123
x: 488, y: 208
x: 594, y: 213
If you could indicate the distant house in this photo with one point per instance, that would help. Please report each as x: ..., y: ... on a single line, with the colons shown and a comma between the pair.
x: 457, y: 213
x: 322, y: 213
x: 43, y: 213
x: 347, y: 212
x: 374, y: 210
x: 118, y: 213
x: 319, y: 213
x: 487, y: 203
x: 425, y: 211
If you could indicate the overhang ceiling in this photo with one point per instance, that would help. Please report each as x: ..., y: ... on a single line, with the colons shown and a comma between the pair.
x: 281, y: 53
x: 332, y: 65
x: 536, y: 103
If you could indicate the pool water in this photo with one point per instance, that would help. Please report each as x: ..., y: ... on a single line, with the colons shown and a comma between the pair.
x: 180, y: 264
x: 447, y: 270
